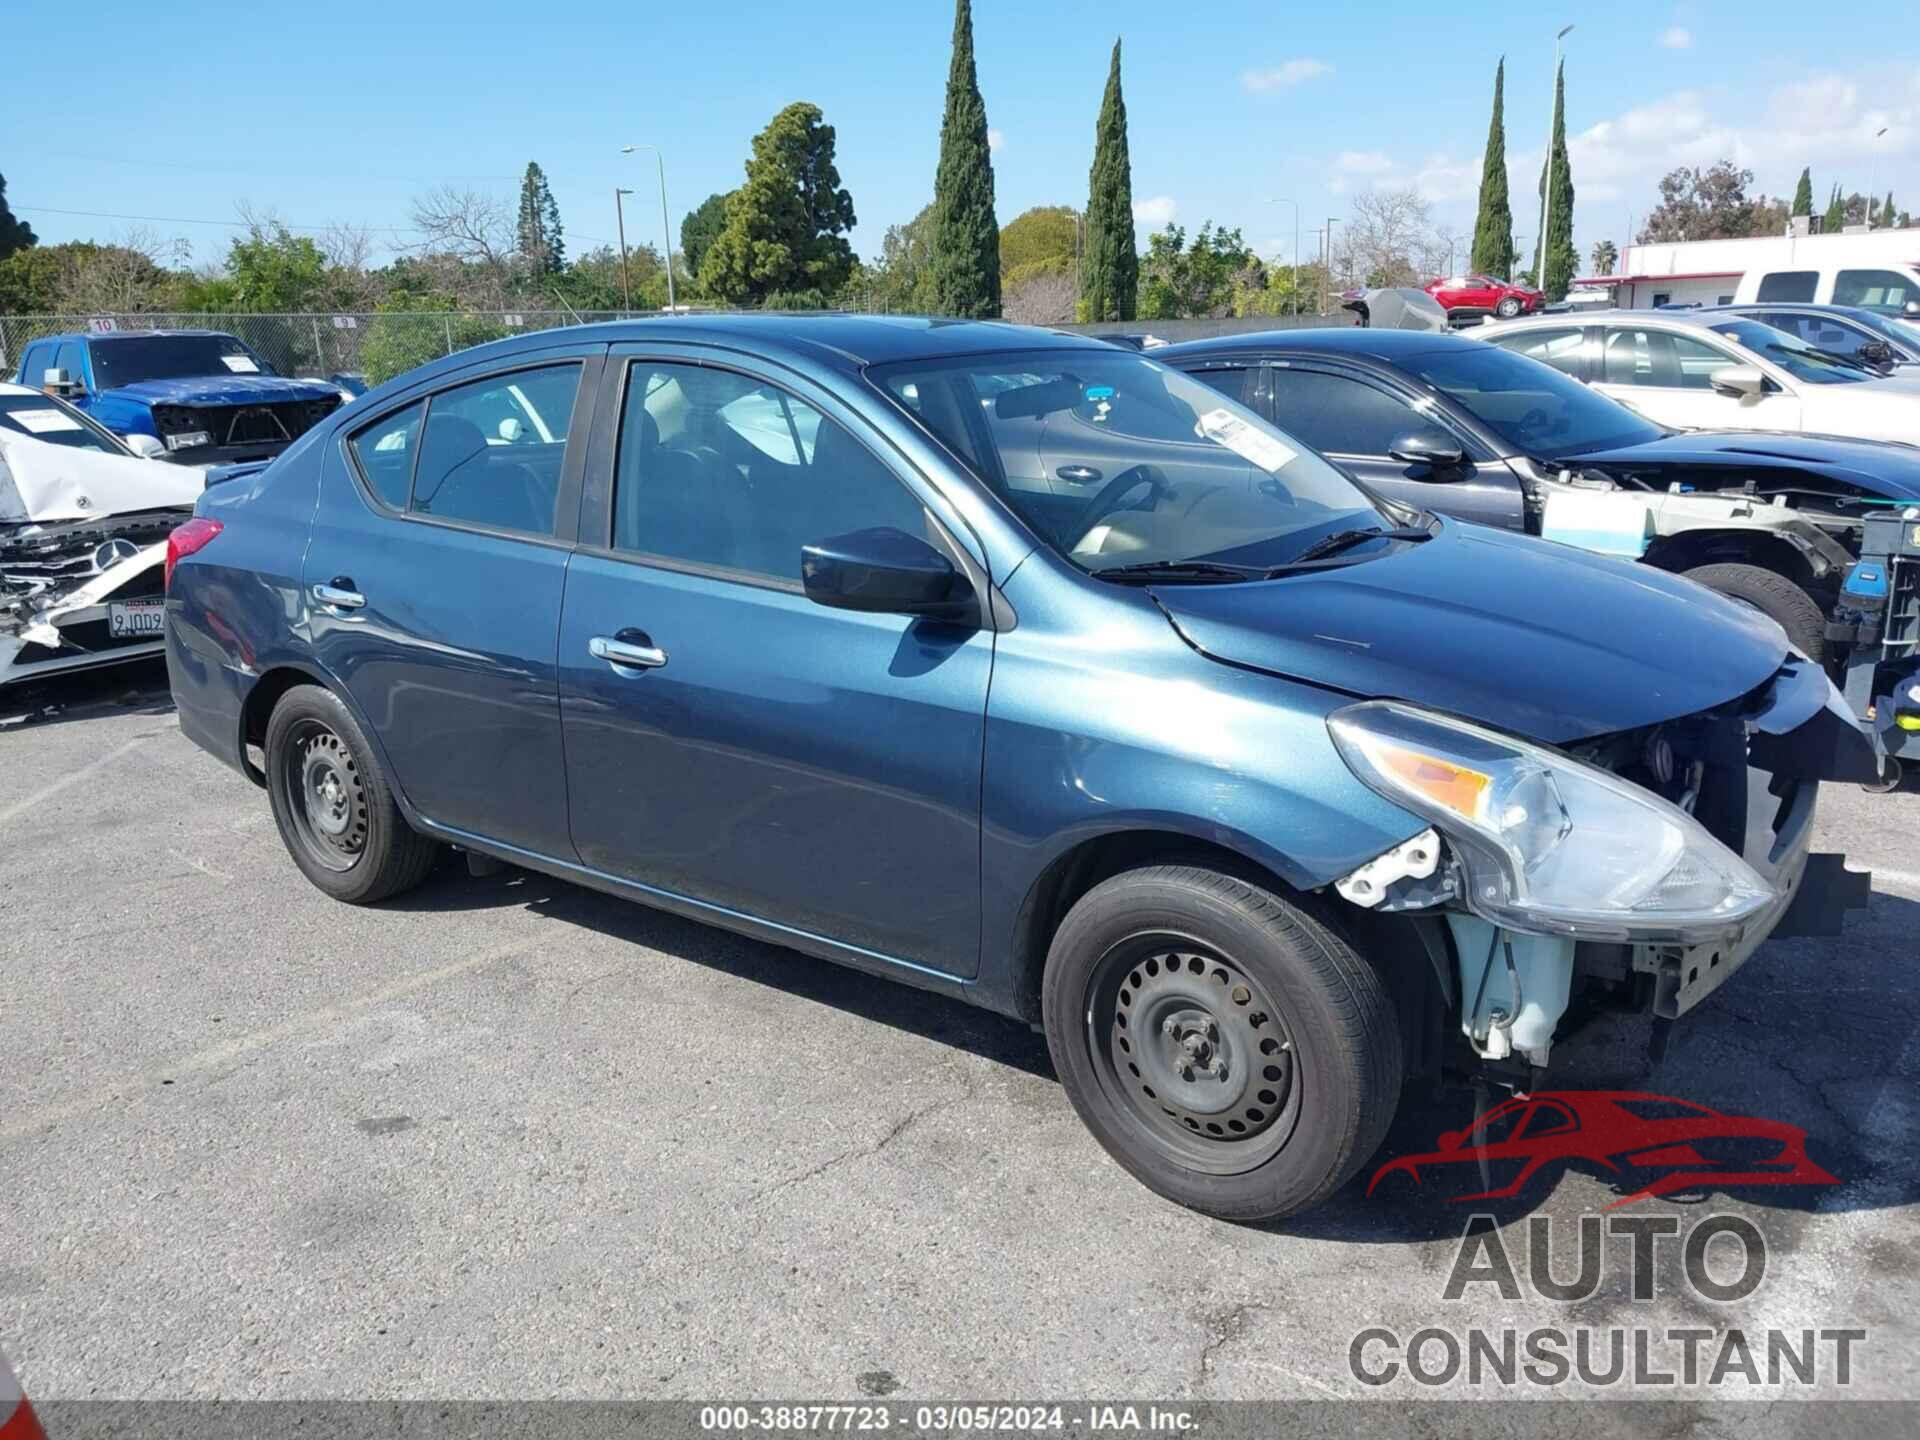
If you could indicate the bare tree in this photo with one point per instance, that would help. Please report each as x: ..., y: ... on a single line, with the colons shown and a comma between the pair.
x: 1045, y: 298
x: 1389, y: 238
x: 129, y: 277
x: 466, y: 224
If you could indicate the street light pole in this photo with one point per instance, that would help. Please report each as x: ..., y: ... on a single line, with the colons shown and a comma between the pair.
x: 1873, y: 176
x: 620, y: 218
x: 1327, y: 277
x: 1546, y: 200
x: 1295, y: 287
x: 666, y: 228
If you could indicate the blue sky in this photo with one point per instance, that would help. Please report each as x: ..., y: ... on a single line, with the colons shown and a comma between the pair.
x: 339, y: 113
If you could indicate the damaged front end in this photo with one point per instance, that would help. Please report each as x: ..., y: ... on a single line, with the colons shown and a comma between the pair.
x: 1637, y: 870
x: 82, y: 593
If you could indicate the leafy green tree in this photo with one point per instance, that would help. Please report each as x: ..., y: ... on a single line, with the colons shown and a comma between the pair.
x: 30, y: 280
x: 1561, y: 260
x: 900, y: 281
x: 1493, y: 227
x: 966, y: 236
x: 701, y: 228
x: 1110, y: 267
x: 410, y: 330
x: 15, y: 234
x: 786, y: 228
x: 1696, y: 204
x: 272, y: 269
x: 1836, y: 217
x: 537, y: 237
x: 1044, y: 235
x: 1803, y: 192
x: 1181, y: 280
x: 592, y: 281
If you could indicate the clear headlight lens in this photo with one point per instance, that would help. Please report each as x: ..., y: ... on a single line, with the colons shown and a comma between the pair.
x: 1550, y: 844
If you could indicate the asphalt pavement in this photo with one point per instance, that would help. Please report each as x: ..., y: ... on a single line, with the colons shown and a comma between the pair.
x: 506, y: 1137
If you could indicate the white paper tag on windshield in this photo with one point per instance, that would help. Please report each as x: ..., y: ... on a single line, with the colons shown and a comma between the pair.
x: 241, y: 364
x: 1244, y: 440
x: 44, y: 422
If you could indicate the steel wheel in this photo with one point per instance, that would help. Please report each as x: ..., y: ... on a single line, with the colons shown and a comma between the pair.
x: 1196, y: 1052
x: 330, y: 813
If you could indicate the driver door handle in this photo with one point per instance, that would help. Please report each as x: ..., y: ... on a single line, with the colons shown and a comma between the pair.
x: 339, y: 595
x: 624, y: 654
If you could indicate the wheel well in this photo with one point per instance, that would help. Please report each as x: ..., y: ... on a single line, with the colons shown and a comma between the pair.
x: 1691, y: 549
x: 257, y: 709
x: 1076, y: 872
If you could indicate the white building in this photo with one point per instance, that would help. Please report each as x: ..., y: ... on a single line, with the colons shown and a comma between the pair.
x: 1878, y: 268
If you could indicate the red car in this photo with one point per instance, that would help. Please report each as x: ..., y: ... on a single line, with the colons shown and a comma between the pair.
x: 1468, y: 295
x: 17, y: 1420
x: 1655, y: 1143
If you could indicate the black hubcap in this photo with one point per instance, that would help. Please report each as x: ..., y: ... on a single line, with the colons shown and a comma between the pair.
x: 327, y: 799
x: 1196, y: 1051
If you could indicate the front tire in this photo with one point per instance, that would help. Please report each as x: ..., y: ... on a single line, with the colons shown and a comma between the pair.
x: 335, y: 810
x: 1224, y: 1045
x: 1774, y: 596
x: 1507, y: 308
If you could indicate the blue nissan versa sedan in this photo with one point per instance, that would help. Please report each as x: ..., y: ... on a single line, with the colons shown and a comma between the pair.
x: 1020, y: 667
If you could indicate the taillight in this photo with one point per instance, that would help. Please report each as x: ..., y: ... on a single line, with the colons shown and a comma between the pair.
x: 189, y: 539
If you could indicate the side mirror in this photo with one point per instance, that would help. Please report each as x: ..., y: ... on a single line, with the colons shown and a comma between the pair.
x: 1741, y: 381
x: 885, y: 571
x: 1877, y: 352
x: 1428, y: 447
x: 147, y: 447
x: 58, y: 382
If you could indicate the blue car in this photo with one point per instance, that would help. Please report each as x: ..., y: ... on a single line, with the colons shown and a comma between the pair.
x: 195, y: 396
x: 1262, y: 797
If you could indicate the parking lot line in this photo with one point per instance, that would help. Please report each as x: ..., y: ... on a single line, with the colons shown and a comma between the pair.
x: 215, y: 1056
x: 74, y: 777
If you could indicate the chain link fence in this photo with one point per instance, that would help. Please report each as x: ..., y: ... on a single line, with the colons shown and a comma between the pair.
x: 383, y: 344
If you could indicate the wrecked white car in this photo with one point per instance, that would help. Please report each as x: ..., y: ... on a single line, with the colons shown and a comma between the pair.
x: 83, y: 540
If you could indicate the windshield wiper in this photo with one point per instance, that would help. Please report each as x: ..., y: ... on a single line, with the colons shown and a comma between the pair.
x: 1177, y: 570
x: 1340, y: 540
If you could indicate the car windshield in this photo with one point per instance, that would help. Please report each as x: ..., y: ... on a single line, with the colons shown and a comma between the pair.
x: 1532, y: 406
x: 129, y: 359
x: 49, y: 421
x: 1792, y: 354
x: 1116, y: 460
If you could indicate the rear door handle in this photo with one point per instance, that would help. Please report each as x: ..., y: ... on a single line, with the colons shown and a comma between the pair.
x: 339, y: 596
x: 624, y: 654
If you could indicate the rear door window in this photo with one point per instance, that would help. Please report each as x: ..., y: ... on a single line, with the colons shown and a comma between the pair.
x: 1562, y: 349
x: 1661, y: 359
x: 492, y: 449
x: 1788, y: 287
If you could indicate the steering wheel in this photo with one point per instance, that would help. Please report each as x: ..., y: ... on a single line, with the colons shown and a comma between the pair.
x: 1116, y: 490
x: 1535, y: 419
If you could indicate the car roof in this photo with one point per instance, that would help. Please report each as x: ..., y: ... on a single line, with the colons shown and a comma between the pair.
x: 1362, y: 341
x: 841, y: 341
x: 99, y: 337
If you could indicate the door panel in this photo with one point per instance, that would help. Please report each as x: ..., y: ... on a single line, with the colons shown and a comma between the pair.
x: 814, y: 768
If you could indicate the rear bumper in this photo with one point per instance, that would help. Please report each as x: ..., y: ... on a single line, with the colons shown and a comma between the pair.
x: 208, y: 696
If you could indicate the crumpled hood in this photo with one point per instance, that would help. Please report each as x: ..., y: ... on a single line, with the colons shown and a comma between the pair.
x: 1526, y: 636
x: 225, y: 390
x: 1891, y: 471
x: 43, y: 484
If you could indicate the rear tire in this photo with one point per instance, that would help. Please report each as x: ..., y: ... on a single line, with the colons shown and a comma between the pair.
x: 1774, y: 596
x: 335, y: 809
x: 1224, y: 1045
x: 1507, y: 308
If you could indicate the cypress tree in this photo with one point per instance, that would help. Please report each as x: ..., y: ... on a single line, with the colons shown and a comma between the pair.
x: 1803, y: 193
x: 537, y: 236
x: 1887, y: 212
x: 1836, y: 217
x: 1557, y: 273
x: 965, y: 260
x: 1109, y: 264
x: 1493, y: 228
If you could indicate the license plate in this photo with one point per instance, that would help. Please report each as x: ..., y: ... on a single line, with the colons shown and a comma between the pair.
x: 137, y: 619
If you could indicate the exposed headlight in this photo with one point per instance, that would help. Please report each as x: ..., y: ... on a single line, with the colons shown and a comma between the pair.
x: 187, y: 439
x: 1549, y: 844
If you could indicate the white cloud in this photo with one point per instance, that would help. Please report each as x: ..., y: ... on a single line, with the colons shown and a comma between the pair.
x: 1676, y: 37
x: 1363, y: 162
x: 1156, y: 212
x: 1284, y: 76
x: 995, y: 139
